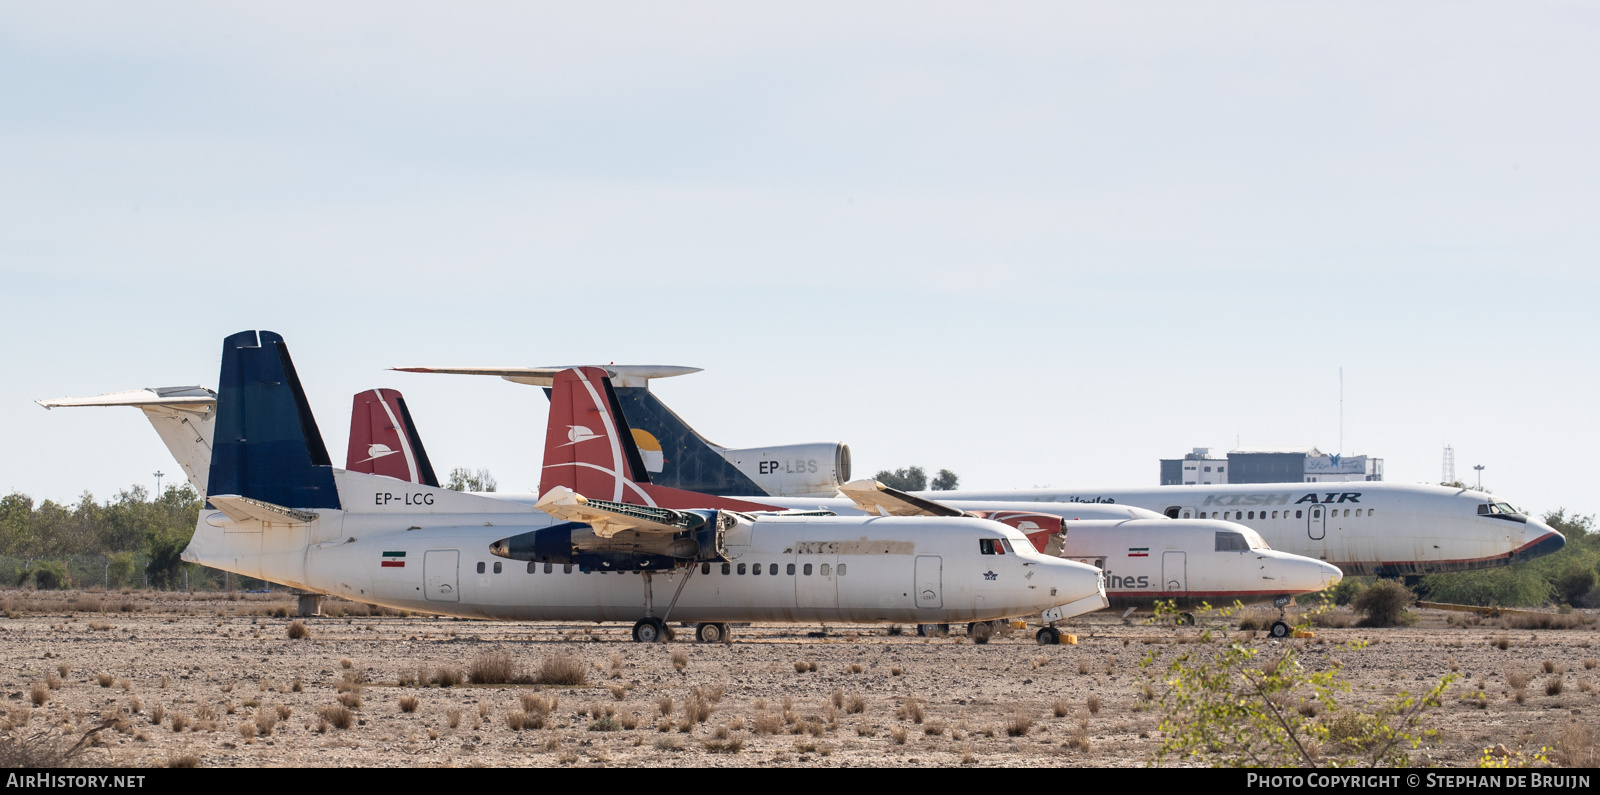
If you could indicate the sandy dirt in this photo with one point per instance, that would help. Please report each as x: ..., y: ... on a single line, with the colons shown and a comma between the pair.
x: 219, y: 662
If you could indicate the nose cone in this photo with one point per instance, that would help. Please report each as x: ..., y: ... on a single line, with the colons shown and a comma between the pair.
x: 1075, y: 587
x: 1328, y: 575
x: 1542, y: 540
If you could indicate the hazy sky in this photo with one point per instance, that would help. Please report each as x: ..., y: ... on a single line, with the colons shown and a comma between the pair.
x: 1037, y: 244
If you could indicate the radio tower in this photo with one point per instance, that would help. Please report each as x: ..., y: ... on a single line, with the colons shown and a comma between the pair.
x: 1449, y: 465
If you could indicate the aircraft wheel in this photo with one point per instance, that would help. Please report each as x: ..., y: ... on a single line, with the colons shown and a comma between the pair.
x: 980, y: 631
x: 649, y: 630
x: 711, y: 633
x: 932, y: 630
x: 1048, y: 636
x: 1280, y: 629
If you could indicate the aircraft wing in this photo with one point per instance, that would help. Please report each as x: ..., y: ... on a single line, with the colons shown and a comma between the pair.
x: 621, y: 374
x: 875, y: 498
x: 610, y: 518
x: 192, y: 397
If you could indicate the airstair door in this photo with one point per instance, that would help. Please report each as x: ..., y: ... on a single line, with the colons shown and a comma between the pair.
x: 1315, y: 523
x: 439, y: 572
x: 1174, y: 572
x: 930, y: 573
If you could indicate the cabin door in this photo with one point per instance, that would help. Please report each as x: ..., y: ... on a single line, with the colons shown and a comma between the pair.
x: 930, y: 573
x: 1174, y: 572
x: 1315, y: 523
x: 439, y: 572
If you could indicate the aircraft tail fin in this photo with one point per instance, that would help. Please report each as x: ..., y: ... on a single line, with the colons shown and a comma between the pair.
x: 384, y: 439
x: 591, y: 449
x: 267, y: 446
x: 675, y: 452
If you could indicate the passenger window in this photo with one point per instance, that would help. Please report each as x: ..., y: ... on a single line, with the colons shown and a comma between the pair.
x: 773, y: 570
x: 1274, y: 514
x: 1185, y: 514
x: 791, y: 567
x: 566, y: 568
x: 726, y: 567
x: 1347, y: 512
x: 480, y: 567
x: 741, y: 569
x: 1252, y: 514
x: 825, y: 569
x: 705, y: 568
x: 533, y: 568
x: 1232, y: 542
x: 497, y: 567
x: 841, y: 569
x: 755, y: 570
x: 1371, y: 511
x: 808, y: 569
x: 547, y: 568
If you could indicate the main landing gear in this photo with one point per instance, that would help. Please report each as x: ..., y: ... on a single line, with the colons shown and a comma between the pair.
x: 650, y: 630
x: 933, y: 630
x: 980, y: 631
x: 711, y: 633
x: 654, y: 630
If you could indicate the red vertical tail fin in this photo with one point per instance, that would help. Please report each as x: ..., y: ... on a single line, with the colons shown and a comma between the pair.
x: 384, y: 440
x: 589, y: 448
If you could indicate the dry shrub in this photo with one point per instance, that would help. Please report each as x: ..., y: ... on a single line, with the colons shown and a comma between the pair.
x: 64, y: 670
x: 298, y: 630
x: 516, y: 720
x: 1576, y: 747
x: 1252, y: 623
x: 105, y: 680
x: 1500, y: 642
x: 1019, y: 724
x: 619, y: 693
x: 562, y: 669
x: 664, y: 705
x: 266, y: 721
x: 1545, y: 621
x: 837, y: 697
x: 180, y: 722
x: 351, y: 700
x: 1384, y: 605
x: 446, y: 676
x: 99, y: 626
x: 409, y: 703
x: 910, y: 709
x: 158, y: 713
x: 1517, y: 679
x: 1553, y: 686
x: 1553, y: 667
x: 934, y: 728
x: 696, y: 708
x: 680, y: 660
x: 346, y: 663
x: 493, y: 668
x: 898, y: 734
x: 1061, y: 707
x: 864, y: 729
x: 856, y: 668
x: 1332, y: 619
x: 629, y: 721
x: 896, y: 671
x: 452, y: 716
x: 284, y: 711
x: 1079, y: 739
x: 1589, y: 663
x: 136, y: 704
x: 184, y: 761
x: 800, y: 666
x: 768, y: 723
x: 39, y: 694
x: 298, y: 686
x: 1454, y: 666
x: 855, y: 704
x: 1083, y: 667
x: 337, y: 715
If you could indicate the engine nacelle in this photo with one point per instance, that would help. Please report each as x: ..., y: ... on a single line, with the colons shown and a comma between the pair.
x: 794, y: 470
x: 629, y: 550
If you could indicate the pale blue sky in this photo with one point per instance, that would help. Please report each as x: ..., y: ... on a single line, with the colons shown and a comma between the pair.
x: 1033, y: 243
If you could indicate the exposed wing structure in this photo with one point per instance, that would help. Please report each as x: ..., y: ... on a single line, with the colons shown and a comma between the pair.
x: 875, y: 498
x: 244, y: 509
x: 610, y: 518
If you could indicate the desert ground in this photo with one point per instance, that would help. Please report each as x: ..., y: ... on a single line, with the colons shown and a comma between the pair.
x: 214, y: 679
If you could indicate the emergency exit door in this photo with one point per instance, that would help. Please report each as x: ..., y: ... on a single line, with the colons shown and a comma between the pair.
x: 1315, y: 523
x: 930, y: 572
x: 439, y: 575
x: 1174, y: 572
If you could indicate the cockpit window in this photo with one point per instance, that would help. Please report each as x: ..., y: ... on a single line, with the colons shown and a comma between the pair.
x: 992, y: 546
x: 1496, y: 507
x: 1232, y: 542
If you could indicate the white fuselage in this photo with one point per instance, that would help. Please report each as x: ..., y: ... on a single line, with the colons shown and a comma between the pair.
x: 1361, y: 527
x: 415, y: 547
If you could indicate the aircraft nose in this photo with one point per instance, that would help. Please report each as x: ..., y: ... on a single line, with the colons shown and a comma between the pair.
x: 1070, y: 581
x: 1545, y: 540
x: 1328, y: 574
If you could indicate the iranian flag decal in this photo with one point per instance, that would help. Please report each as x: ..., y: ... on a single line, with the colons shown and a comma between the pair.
x: 394, y: 560
x: 1133, y: 552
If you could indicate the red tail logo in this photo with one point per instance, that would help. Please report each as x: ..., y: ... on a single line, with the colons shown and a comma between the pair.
x: 583, y: 408
x: 383, y: 440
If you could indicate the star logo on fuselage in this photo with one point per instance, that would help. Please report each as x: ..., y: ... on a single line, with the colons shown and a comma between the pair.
x: 989, y: 575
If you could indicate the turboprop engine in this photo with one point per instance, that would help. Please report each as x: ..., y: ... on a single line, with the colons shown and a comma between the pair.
x: 702, y: 538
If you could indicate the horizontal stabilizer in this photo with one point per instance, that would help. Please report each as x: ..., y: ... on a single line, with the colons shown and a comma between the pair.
x: 610, y: 518
x: 244, y: 509
x: 880, y: 500
x: 197, y: 398
x: 621, y: 375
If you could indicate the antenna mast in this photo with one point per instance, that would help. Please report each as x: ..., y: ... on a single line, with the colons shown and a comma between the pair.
x: 1341, y: 411
x: 1449, y: 464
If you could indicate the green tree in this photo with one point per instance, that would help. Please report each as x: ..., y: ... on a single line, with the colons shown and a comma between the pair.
x: 462, y: 479
x: 119, y: 569
x: 907, y: 479
x: 946, y: 481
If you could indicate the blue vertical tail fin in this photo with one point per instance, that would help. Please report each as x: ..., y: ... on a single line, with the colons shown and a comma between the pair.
x: 267, y: 446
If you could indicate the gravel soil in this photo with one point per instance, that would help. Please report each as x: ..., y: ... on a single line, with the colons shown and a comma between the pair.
x: 865, y: 696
